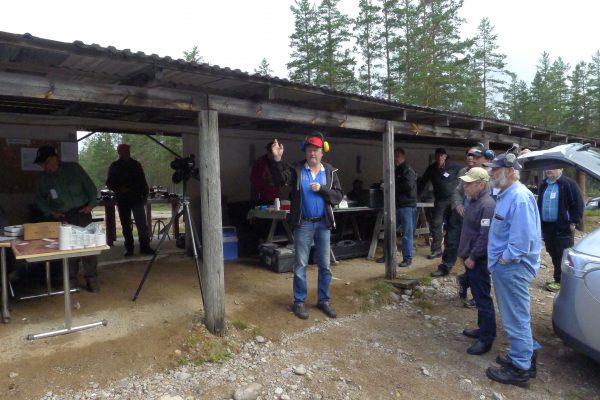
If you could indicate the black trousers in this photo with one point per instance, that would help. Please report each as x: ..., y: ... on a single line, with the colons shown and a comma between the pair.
x: 90, y: 264
x: 557, y: 239
x: 139, y: 214
x: 441, y: 212
x: 479, y: 279
x: 452, y: 239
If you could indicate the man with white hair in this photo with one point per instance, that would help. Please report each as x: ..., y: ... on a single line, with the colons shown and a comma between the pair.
x: 514, y: 248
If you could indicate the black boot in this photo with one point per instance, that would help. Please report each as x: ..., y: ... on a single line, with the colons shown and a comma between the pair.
x: 505, y: 361
x: 510, y: 375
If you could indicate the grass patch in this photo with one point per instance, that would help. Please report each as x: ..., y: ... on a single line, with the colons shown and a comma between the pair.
x: 575, y: 394
x: 377, y: 296
x: 423, y: 304
x: 592, y: 213
x: 240, y: 325
x: 425, y: 280
x: 199, y: 347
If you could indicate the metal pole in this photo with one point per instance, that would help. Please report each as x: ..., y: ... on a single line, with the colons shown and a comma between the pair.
x: 5, y: 312
x: 68, y: 322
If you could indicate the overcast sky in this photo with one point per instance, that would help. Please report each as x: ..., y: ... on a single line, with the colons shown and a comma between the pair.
x: 239, y: 33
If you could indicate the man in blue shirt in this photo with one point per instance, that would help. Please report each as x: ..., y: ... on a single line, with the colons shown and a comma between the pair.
x: 561, y: 207
x: 315, y: 190
x: 514, y: 248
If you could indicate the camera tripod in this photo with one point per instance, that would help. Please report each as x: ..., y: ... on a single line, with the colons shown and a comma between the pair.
x: 185, y: 211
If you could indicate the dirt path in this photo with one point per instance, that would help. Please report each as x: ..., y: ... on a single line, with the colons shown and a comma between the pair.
x: 399, y: 350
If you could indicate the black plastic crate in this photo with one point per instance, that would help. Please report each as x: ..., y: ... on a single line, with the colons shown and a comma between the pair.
x: 345, y: 249
x: 276, y: 258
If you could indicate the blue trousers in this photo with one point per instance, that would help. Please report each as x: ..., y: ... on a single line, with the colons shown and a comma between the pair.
x: 479, y: 279
x: 405, y: 219
x: 304, y: 235
x: 511, y: 285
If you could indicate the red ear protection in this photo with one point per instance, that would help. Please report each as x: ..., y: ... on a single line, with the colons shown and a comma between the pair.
x: 315, y: 134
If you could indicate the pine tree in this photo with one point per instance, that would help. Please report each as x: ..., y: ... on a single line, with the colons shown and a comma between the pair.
x: 549, y: 93
x: 578, y: 107
x: 388, y: 41
x: 488, y: 68
x: 541, y: 94
x: 406, y: 56
x: 594, y: 94
x: 560, y: 93
x: 264, y: 68
x: 515, y: 101
x: 442, y: 60
x: 368, y: 41
x: 305, y: 43
x: 336, y: 64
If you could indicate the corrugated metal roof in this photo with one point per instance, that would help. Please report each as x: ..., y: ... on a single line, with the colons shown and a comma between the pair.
x: 91, y: 63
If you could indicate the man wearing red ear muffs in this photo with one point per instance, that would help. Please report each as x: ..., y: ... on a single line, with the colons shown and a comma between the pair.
x: 315, y: 190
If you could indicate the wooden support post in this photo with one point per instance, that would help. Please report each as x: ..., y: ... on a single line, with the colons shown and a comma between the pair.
x: 213, y: 280
x: 389, y: 202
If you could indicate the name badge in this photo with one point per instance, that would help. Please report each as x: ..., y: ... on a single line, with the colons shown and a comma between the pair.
x: 446, y: 174
x: 53, y: 194
x: 553, y: 195
x: 485, y: 222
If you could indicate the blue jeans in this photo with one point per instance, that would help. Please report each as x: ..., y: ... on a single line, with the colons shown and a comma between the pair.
x: 304, y: 234
x: 479, y: 280
x: 511, y: 285
x: 405, y: 219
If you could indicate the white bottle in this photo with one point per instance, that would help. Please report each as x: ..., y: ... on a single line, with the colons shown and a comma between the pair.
x: 277, y: 204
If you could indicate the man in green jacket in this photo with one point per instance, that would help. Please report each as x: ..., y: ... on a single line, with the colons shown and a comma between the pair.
x: 66, y: 193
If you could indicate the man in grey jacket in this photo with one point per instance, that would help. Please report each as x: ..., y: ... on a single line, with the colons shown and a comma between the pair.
x: 472, y: 249
x: 315, y: 190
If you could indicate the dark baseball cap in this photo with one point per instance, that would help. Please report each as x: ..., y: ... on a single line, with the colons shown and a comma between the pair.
x: 43, y: 153
x: 501, y: 162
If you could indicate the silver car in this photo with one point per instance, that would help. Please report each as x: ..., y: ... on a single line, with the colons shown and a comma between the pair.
x: 576, y: 311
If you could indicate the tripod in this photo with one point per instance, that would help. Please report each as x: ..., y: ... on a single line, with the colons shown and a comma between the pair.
x: 185, y: 211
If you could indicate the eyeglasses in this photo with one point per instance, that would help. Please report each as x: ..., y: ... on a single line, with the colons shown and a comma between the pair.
x: 473, y: 155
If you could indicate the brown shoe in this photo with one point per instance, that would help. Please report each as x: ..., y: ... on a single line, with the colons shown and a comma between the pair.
x: 92, y: 285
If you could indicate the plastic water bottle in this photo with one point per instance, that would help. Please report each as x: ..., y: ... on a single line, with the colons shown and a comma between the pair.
x: 277, y: 204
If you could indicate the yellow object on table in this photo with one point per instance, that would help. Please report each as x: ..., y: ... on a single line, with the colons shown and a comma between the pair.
x: 41, y: 230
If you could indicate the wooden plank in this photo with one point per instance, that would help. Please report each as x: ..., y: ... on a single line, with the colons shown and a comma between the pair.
x: 288, y: 113
x: 212, y: 228
x: 53, y: 89
x: 389, y: 202
x: 95, y: 124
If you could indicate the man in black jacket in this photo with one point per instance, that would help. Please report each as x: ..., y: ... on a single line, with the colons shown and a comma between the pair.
x: 127, y: 179
x: 561, y: 209
x: 443, y: 175
x: 315, y: 190
x: 406, y: 205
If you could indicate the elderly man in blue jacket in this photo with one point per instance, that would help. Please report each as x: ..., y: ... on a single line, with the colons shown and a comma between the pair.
x: 514, y: 248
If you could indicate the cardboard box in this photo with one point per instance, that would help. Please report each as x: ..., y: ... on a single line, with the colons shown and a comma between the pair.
x: 41, y: 230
